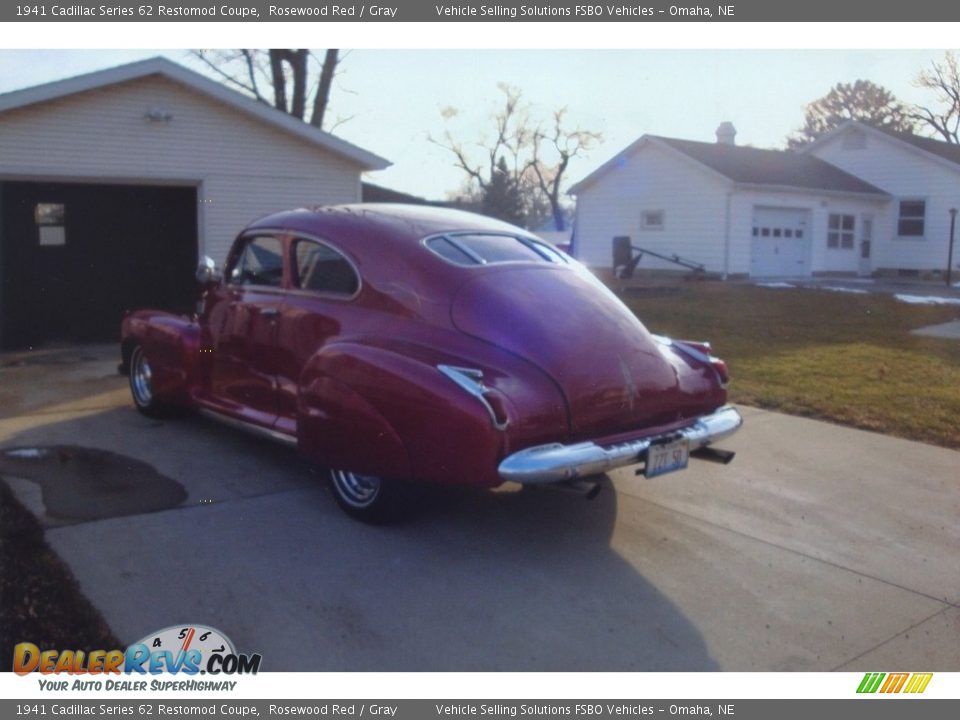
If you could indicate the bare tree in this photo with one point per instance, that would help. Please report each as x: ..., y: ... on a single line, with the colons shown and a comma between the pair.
x: 564, y: 145
x: 861, y: 100
x: 943, y: 78
x: 531, y: 158
x: 282, y: 78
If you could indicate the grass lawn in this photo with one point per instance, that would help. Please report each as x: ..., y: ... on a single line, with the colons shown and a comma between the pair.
x: 849, y: 358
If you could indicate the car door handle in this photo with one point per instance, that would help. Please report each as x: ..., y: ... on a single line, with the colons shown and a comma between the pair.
x: 269, y: 312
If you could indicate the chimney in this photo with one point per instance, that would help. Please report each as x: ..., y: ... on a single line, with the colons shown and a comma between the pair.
x: 726, y: 133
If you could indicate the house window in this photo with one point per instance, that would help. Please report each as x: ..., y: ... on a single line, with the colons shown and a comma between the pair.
x: 912, y: 218
x: 50, y: 220
x: 652, y: 220
x: 840, y: 232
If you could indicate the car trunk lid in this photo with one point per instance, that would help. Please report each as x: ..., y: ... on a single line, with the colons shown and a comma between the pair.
x: 609, y: 368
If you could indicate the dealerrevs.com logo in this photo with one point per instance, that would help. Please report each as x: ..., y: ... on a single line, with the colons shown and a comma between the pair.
x: 895, y: 682
x: 187, y: 649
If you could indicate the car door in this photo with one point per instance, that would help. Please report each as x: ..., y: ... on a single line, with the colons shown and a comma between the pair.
x: 318, y: 306
x: 240, y: 331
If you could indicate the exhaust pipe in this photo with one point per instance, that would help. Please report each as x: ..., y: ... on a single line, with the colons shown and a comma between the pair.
x: 712, y: 454
x: 586, y: 489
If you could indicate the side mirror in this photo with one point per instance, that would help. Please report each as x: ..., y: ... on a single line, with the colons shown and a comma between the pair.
x: 207, y: 272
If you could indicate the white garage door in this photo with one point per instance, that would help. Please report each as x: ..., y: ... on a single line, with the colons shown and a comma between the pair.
x: 780, y: 242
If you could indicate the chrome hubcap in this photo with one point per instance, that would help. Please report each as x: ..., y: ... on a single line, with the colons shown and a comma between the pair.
x: 140, y: 375
x: 357, y: 490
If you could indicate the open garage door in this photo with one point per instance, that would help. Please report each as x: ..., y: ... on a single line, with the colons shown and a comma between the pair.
x: 74, y: 257
x: 780, y: 243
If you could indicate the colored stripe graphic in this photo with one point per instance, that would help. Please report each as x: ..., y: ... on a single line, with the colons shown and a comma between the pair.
x: 870, y: 682
x: 918, y: 683
x: 894, y: 682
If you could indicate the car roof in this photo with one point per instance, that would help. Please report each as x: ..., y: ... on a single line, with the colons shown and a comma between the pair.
x: 399, y: 222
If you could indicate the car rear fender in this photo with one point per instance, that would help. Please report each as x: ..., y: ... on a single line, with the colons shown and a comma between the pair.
x: 375, y: 410
x: 172, y: 345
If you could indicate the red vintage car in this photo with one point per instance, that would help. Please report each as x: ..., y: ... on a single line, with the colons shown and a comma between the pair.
x: 396, y: 344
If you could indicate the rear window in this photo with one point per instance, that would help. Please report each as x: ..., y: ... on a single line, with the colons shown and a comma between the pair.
x: 479, y: 249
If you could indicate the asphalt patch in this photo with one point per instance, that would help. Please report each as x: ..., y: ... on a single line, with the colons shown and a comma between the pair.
x: 79, y: 483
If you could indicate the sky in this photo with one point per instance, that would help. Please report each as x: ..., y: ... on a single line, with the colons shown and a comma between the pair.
x: 392, y: 101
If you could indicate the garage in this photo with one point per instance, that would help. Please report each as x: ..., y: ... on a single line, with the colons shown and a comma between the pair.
x: 112, y: 184
x: 780, y: 242
x: 75, y: 256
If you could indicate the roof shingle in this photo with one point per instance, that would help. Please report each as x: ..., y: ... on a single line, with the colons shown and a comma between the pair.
x: 754, y: 166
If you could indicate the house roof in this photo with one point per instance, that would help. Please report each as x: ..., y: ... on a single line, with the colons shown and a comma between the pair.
x: 370, y: 193
x: 941, y: 148
x: 753, y: 167
x: 947, y: 154
x: 204, y: 85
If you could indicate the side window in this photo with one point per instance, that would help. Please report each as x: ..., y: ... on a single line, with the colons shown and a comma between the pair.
x: 322, y: 269
x: 259, y: 263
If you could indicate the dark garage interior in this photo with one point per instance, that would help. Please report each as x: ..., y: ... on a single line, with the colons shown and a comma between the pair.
x: 74, y: 257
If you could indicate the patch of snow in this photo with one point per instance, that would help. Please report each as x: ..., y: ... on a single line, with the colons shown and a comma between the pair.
x: 927, y: 300
x: 26, y: 453
x: 855, y: 291
x: 775, y: 285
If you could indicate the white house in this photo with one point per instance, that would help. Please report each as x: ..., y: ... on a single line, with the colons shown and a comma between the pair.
x: 112, y: 184
x: 859, y: 201
x: 922, y: 176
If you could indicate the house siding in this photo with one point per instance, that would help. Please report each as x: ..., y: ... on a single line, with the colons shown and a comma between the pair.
x: 695, y: 202
x: 905, y: 174
x: 654, y: 178
x: 243, y: 168
x: 819, y: 206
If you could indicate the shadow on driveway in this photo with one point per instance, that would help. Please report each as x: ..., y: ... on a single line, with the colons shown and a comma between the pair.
x: 506, y: 580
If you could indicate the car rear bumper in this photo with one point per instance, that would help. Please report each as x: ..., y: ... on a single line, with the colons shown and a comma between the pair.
x: 555, y: 462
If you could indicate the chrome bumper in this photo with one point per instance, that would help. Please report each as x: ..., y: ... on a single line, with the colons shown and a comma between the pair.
x: 554, y: 462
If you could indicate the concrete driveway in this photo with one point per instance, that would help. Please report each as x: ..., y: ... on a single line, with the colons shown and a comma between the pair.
x: 819, y: 548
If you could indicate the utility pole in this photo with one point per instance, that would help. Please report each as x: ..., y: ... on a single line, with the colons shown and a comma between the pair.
x: 953, y: 223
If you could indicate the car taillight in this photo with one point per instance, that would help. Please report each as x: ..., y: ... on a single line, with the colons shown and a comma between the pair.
x: 703, y: 352
x: 471, y: 380
x: 721, y: 367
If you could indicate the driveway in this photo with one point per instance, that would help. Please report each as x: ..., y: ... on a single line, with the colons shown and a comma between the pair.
x: 819, y: 548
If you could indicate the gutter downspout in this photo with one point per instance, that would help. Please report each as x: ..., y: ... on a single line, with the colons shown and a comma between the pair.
x: 726, y: 237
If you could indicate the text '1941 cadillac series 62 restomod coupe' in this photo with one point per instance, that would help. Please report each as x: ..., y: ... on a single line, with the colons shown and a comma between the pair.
x: 397, y: 343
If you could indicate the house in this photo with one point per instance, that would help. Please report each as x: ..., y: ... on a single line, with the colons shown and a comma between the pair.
x: 922, y: 176
x: 113, y: 183
x: 860, y: 201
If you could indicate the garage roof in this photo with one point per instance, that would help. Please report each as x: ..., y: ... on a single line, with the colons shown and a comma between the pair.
x: 751, y: 166
x: 947, y: 154
x: 179, y: 74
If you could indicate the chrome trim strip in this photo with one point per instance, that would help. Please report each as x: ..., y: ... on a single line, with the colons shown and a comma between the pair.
x: 471, y: 380
x: 268, y: 433
x: 555, y: 462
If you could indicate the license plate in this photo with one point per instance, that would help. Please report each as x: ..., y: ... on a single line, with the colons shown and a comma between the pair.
x: 667, y: 458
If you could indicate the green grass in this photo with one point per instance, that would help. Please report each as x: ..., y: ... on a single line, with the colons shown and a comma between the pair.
x: 836, y: 356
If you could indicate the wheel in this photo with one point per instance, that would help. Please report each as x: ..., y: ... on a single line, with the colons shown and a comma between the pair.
x: 141, y: 387
x: 369, y: 498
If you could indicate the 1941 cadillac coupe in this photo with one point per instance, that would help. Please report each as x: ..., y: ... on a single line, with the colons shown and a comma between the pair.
x: 397, y: 343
